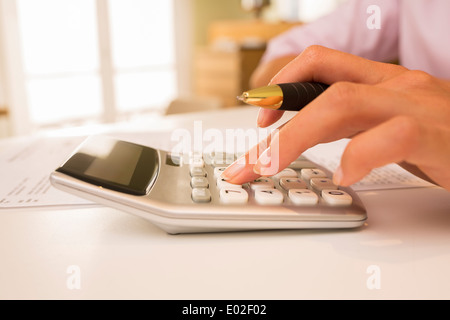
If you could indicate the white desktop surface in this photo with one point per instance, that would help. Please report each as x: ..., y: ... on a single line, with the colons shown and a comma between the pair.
x: 120, y: 256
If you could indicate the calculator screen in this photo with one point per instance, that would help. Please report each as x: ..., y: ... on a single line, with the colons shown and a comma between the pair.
x: 114, y: 164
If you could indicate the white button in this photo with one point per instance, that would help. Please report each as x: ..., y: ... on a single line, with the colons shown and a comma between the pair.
x: 201, y: 195
x: 322, y: 184
x: 223, y: 184
x: 262, y: 183
x: 300, y: 164
x: 218, y: 171
x: 268, y: 196
x: 196, y: 163
x: 286, y: 173
x: 239, y: 154
x: 292, y: 183
x: 303, y: 197
x: 197, y: 172
x: 337, y: 197
x: 199, y: 182
x: 233, y: 195
x: 222, y: 158
x: 195, y: 154
x: 207, y: 158
x: 308, y: 174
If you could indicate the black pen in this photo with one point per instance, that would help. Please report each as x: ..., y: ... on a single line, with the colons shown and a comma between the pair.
x: 284, y: 96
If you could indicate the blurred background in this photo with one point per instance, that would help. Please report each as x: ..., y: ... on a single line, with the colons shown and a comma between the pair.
x: 74, y: 62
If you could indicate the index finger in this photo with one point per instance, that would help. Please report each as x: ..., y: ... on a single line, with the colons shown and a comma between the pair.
x: 321, y: 64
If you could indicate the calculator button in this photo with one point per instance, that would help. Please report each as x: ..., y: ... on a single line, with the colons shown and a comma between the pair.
x: 233, y: 195
x: 303, y: 197
x: 262, y: 183
x: 301, y: 163
x: 199, y: 182
x: 292, y: 183
x: 222, y: 184
x: 222, y: 158
x: 197, y: 172
x: 195, y: 155
x: 337, y: 197
x: 196, y: 163
x: 201, y: 195
x: 239, y: 154
x: 218, y: 162
x: 268, y: 196
x: 286, y: 173
x: 320, y: 184
x: 218, y: 171
x: 207, y: 158
x: 308, y: 174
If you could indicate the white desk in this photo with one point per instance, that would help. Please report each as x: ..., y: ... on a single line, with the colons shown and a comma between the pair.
x: 119, y: 256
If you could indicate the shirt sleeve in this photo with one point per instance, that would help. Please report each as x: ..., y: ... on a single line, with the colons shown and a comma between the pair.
x: 345, y: 29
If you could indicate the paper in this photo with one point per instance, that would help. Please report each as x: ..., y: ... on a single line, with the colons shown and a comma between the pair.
x: 25, y: 168
x: 388, y: 177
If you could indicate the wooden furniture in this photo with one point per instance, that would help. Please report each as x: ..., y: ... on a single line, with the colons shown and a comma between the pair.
x: 3, y: 111
x: 224, y: 74
x: 242, y: 30
x: 4, y: 124
x: 224, y: 66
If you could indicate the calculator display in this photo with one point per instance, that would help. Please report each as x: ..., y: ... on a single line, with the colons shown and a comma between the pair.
x: 116, y: 165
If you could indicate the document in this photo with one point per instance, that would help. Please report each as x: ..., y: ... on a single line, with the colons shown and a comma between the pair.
x: 391, y: 176
x: 25, y: 168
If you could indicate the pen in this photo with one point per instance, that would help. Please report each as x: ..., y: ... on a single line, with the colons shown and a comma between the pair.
x: 284, y: 96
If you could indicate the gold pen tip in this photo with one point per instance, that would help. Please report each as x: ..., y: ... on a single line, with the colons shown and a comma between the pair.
x: 242, y: 97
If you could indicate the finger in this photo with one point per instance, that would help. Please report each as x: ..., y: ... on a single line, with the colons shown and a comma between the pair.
x: 400, y: 139
x: 321, y: 64
x: 390, y: 142
x: 241, y: 170
x: 415, y: 171
x: 267, y: 117
x: 344, y: 110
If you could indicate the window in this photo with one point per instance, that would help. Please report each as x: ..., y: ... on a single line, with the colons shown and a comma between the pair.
x: 144, y: 63
x: 93, y: 59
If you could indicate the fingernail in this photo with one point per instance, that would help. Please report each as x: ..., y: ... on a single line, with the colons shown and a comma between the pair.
x: 234, y: 169
x: 338, y: 176
x: 260, y: 117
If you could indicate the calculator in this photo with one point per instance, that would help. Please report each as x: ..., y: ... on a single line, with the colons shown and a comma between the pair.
x: 187, y: 194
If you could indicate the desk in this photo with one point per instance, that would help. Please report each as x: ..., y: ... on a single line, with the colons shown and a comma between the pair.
x: 405, y: 244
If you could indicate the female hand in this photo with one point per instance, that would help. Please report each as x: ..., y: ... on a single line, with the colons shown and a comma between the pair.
x: 392, y: 114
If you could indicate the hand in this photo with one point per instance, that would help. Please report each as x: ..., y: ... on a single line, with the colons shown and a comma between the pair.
x: 392, y: 114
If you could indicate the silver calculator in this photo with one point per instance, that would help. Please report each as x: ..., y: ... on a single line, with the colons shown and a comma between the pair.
x: 186, y: 194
